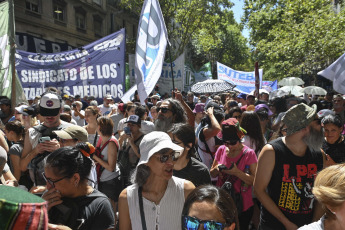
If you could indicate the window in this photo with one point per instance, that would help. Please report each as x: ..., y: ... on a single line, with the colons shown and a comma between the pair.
x: 97, y: 25
x: 80, y: 18
x: 98, y: 2
x: 59, y: 11
x: 32, y: 5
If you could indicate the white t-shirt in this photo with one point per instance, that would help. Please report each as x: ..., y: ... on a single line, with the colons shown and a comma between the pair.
x: 79, y: 120
x: 104, y: 109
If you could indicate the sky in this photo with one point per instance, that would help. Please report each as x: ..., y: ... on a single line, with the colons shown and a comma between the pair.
x: 238, y: 12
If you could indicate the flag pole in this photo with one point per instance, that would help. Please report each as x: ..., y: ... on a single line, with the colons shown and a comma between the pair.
x: 13, y: 59
x: 171, y: 65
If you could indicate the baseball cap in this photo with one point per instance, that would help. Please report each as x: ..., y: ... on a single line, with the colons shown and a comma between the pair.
x: 20, y: 109
x: 298, y: 117
x: 231, y: 130
x: 5, y: 101
x: 121, y: 107
x: 152, y: 143
x: 50, y: 105
x: 325, y: 112
x: 214, y: 105
x: 108, y: 97
x: 155, y: 97
x: 31, y: 111
x: 199, y: 108
x: 260, y: 106
x: 66, y: 108
x: 242, y: 95
x: 134, y: 119
x: 73, y: 132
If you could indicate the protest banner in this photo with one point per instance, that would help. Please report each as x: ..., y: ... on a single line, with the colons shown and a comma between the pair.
x: 165, y: 79
x: 96, y: 69
x: 9, y: 82
x: 244, y: 81
x: 152, y: 39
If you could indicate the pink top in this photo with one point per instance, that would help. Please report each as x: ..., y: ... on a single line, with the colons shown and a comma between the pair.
x: 248, y: 159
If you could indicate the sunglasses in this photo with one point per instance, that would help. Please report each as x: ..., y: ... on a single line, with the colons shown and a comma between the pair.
x: 284, y: 130
x: 163, y: 109
x: 165, y: 157
x: 192, y: 223
x: 52, y: 182
x: 230, y: 142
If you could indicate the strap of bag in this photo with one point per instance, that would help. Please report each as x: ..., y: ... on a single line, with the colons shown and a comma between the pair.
x: 238, y: 161
x: 141, y: 206
x: 94, y: 140
x: 203, y: 140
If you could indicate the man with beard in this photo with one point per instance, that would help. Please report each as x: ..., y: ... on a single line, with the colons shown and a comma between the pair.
x: 338, y: 107
x: 169, y: 112
x: 286, y: 171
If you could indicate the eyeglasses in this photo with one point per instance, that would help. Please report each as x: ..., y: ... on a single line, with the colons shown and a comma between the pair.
x: 52, y: 182
x: 192, y: 223
x: 284, y: 130
x: 165, y: 157
x: 163, y: 109
x: 230, y: 142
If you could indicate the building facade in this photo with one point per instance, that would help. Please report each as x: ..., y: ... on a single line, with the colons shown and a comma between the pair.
x: 50, y: 26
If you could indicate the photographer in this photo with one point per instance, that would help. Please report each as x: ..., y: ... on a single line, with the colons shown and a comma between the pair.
x: 78, y: 114
x: 129, y: 152
x: 230, y: 163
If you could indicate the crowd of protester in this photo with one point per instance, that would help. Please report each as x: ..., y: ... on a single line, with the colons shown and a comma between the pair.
x: 181, y: 161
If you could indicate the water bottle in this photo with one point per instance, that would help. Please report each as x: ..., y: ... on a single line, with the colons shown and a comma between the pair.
x: 244, y: 186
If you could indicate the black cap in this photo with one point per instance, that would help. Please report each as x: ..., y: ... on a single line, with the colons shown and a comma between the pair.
x: 5, y: 101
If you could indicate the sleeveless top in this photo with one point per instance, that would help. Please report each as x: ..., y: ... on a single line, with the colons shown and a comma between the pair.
x: 291, y: 185
x: 106, y: 174
x: 165, y: 215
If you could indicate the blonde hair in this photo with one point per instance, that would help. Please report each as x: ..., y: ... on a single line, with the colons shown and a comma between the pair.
x: 329, y: 187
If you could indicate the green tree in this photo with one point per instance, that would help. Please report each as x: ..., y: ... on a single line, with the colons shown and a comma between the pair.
x: 291, y: 36
x: 183, y: 18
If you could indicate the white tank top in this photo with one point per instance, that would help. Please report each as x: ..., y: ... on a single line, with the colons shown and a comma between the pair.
x: 166, y: 215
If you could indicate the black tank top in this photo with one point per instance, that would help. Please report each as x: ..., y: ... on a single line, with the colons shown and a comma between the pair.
x: 291, y: 185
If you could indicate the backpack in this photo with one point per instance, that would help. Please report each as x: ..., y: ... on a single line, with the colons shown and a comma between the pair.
x: 98, y: 152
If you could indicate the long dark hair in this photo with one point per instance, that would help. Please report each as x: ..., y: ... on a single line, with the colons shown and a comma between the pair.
x: 217, y: 196
x: 251, y: 123
x: 69, y: 160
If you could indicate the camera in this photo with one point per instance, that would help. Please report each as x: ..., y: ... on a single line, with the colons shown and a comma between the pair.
x: 43, y: 139
x: 127, y: 130
x: 222, y: 167
x: 74, y: 105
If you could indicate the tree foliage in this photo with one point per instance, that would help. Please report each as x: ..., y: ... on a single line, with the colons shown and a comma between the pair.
x: 292, y: 36
x: 206, y: 27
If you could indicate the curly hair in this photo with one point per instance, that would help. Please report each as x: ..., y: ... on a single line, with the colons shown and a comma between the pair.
x: 178, y: 110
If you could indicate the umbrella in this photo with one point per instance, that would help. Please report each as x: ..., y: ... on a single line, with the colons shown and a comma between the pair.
x: 291, y: 81
x: 314, y: 90
x: 212, y: 86
x: 260, y: 91
x: 286, y: 90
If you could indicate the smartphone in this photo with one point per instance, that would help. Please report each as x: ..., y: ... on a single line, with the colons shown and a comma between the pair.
x: 127, y: 130
x: 43, y: 139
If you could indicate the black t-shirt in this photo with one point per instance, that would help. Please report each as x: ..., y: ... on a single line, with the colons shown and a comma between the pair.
x: 336, y: 151
x: 196, y: 172
x: 93, y: 211
x: 291, y: 185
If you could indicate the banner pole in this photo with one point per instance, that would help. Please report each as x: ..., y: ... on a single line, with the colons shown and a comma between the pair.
x: 12, y: 55
x: 172, y: 70
x: 257, y: 81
